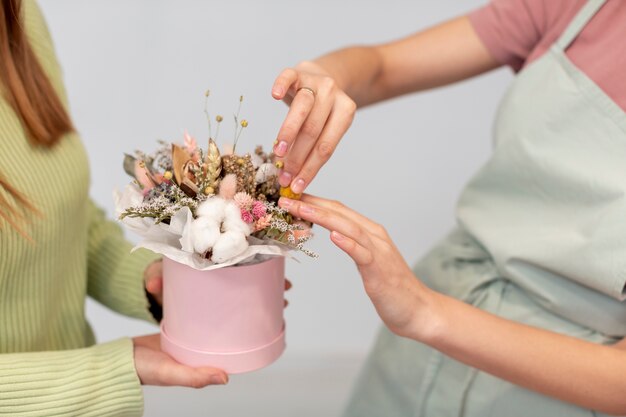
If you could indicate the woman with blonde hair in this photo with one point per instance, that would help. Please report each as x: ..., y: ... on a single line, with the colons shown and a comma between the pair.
x: 57, y: 247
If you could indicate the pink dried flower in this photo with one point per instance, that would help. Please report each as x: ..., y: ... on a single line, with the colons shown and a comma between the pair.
x: 190, y: 143
x: 243, y: 200
x: 258, y: 210
x: 228, y: 186
x: 304, y: 232
x: 246, y: 216
x: 263, y: 223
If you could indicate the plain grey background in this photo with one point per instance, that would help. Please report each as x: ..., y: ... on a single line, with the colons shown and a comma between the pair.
x: 136, y: 71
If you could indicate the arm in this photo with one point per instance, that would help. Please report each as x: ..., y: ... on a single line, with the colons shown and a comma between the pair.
x: 98, y: 380
x: 337, y: 83
x: 115, y: 276
x: 563, y: 367
x: 441, y: 55
x: 101, y: 380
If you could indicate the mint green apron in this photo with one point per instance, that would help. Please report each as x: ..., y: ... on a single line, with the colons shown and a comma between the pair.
x: 541, y: 241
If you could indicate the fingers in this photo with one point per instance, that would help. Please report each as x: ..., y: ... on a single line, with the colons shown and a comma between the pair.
x: 175, y: 374
x: 319, y: 115
x: 358, y: 253
x: 332, y: 221
x: 333, y: 205
x: 157, y: 368
x: 299, y: 111
x: 283, y: 83
x: 153, y: 280
x: 317, y: 141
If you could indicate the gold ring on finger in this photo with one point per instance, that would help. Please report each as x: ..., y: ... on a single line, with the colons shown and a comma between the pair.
x: 309, y: 89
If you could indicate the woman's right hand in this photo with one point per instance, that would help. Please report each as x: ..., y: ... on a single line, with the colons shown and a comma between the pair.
x: 154, y: 367
x: 319, y: 115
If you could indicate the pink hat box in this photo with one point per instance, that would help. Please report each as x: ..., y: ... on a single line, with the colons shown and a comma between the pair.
x: 229, y: 318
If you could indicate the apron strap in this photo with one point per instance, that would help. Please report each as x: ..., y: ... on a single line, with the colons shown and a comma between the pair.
x: 578, y: 23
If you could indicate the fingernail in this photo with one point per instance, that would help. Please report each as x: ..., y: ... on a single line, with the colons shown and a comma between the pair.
x: 298, y: 186
x: 218, y: 380
x: 285, y: 202
x: 284, y: 179
x: 281, y: 148
x: 337, y: 236
x: 277, y: 91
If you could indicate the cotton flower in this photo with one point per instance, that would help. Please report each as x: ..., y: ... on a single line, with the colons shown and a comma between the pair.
x: 265, y: 172
x: 213, y: 208
x: 256, y: 160
x: 205, y: 232
x: 243, y: 200
x: 219, y: 227
x: 229, y: 245
x: 258, y: 210
x: 233, y: 221
x: 228, y: 186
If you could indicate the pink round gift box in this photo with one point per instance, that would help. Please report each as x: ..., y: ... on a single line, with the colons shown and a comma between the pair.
x: 229, y: 318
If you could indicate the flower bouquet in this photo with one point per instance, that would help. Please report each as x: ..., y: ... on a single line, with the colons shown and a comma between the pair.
x: 214, y: 217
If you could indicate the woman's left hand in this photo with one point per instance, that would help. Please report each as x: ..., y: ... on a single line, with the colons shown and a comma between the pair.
x: 402, y: 301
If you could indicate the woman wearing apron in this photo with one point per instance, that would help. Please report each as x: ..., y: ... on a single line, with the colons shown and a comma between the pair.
x: 519, y: 311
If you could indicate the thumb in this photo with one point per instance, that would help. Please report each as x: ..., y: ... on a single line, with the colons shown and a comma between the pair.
x: 153, y: 280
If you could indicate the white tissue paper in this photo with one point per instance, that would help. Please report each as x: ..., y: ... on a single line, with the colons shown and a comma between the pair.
x: 178, y: 241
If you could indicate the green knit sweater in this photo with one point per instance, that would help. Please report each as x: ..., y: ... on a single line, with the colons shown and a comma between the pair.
x: 49, y: 364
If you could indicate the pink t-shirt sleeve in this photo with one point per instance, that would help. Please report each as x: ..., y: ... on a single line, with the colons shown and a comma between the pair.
x: 511, y: 29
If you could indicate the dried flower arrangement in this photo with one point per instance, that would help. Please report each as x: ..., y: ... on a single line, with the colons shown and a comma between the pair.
x: 209, y: 208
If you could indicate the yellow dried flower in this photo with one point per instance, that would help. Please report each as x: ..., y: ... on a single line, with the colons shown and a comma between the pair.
x: 209, y: 190
x: 240, y: 161
x: 279, y: 164
x: 286, y: 192
x: 219, y: 118
x: 244, y: 123
x: 167, y: 175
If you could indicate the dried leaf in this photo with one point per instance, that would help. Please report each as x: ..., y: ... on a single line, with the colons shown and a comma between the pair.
x: 213, y: 163
x: 179, y: 158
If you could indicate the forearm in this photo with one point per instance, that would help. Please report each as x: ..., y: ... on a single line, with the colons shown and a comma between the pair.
x: 97, y: 381
x: 573, y: 370
x: 441, y: 55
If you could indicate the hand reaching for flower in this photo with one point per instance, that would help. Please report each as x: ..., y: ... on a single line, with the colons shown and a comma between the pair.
x: 319, y: 115
x: 399, y: 298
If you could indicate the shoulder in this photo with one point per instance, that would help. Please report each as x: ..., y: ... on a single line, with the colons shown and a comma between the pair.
x: 512, y: 29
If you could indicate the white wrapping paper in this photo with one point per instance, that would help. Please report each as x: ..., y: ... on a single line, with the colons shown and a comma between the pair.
x: 173, y: 240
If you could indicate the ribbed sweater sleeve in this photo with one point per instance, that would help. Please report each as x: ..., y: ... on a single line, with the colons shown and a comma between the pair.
x: 95, y: 381
x: 115, y: 276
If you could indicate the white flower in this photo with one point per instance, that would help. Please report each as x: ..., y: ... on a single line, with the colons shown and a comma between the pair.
x: 265, y: 172
x: 219, y: 227
x: 229, y: 245
x: 256, y: 160
x: 233, y: 221
x: 212, y: 208
x: 205, y: 232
